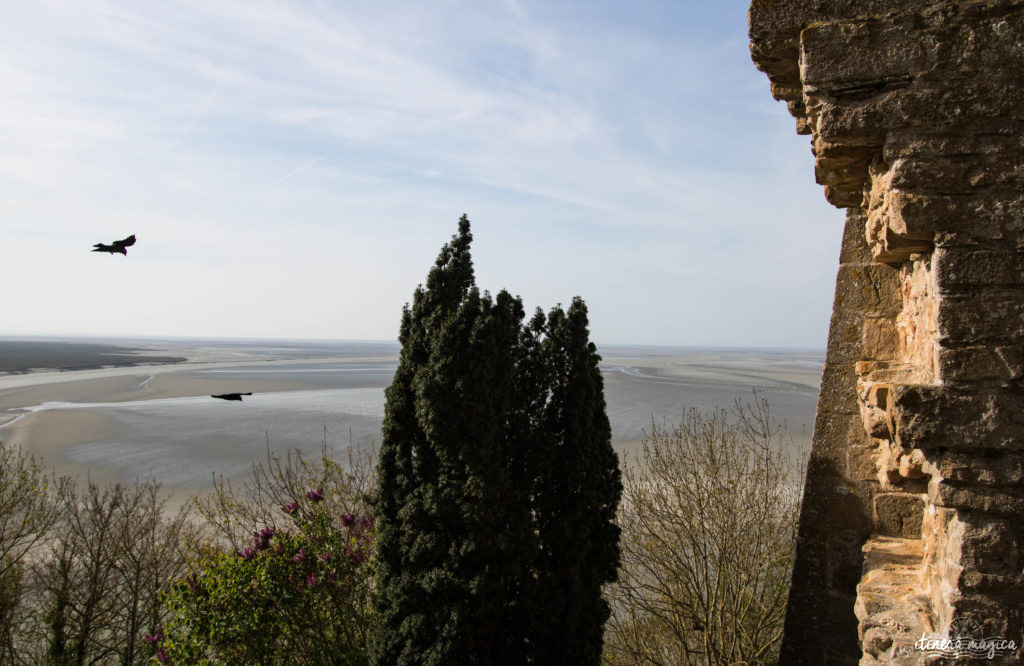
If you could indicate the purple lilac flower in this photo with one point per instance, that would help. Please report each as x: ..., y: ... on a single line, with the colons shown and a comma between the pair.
x: 290, y: 508
x: 315, y: 495
x: 261, y: 539
x: 193, y: 584
x: 356, y: 556
x: 154, y: 638
x: 367, y: 522
x: 162, y: 656
x: 347, y: 520
x: 311, y: 580
x: 300, y: 557
x: 326, y: 557
x: 247, y: 554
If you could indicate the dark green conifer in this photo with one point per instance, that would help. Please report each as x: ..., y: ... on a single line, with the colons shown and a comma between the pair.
x: 578, y: 487
x: 471, y: 538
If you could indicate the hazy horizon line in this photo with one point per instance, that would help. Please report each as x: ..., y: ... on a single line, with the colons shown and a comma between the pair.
x: 143, y: 338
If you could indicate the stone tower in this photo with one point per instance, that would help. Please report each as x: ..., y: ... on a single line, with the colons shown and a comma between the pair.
x: 913, y: 514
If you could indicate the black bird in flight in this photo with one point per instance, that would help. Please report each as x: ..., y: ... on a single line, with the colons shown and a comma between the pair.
x: 117, y: 247
x: 231, y: 396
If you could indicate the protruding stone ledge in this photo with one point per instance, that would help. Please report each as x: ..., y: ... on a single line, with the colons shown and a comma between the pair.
x: 890, y: 607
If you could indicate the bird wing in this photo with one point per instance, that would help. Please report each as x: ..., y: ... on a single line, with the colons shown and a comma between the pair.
x: 126, y: 242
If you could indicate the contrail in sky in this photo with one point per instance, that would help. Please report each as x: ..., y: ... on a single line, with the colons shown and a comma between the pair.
x: 199, y: 114
x: 304, y: 166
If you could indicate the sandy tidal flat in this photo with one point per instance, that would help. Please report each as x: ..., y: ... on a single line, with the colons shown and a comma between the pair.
x: 47, y: 412
x: 131, y: 422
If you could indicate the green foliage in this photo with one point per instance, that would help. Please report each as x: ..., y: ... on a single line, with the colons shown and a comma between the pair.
x: 87, y: 572
x: 576, y: 494
x: 296, y: 591
x: 496, y: 481
x: 289, y: 597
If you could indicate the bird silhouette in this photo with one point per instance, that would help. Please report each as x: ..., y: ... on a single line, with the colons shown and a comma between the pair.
x: 117, y: 247
x: 231, y: 396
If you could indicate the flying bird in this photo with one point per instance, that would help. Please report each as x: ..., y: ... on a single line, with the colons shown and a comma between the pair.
x: 231, y: 396
x: 117, y: 247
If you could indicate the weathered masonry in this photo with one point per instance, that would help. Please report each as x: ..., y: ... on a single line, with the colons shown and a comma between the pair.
x: 913, y: 516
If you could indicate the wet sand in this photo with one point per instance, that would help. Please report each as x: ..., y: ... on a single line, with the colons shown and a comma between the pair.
x: 640, y: 385
x: 47, y: 433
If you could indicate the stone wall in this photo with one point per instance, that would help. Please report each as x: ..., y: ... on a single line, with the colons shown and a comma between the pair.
x: 913, y: 515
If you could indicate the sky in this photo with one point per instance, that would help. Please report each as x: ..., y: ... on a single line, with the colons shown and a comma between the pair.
x: 291, y: 169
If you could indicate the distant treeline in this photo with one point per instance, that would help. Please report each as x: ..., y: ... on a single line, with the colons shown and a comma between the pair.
x: 18, y: 356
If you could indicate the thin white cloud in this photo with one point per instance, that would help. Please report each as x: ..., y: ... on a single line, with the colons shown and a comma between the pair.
x: 543, y: 124
x: 303, y: 167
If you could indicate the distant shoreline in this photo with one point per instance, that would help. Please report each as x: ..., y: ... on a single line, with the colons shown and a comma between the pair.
x: 23, y: 357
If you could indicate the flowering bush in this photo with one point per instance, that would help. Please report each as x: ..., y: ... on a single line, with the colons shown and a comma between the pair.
x: 288, y: 578
x: 295, y: 595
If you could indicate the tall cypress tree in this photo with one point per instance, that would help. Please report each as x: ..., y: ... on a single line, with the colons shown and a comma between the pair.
x: 472, y: 542
x: 577, y: 491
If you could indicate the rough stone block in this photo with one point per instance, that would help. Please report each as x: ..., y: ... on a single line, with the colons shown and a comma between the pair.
x: 972, y: 215
x: 965, y: 269
x: 1005, y: 469
x: 846, y: 177
x: 1006, y: 502
x: 899, y: 514
x: 912, y: 466
x: 847, y: 197
x: 863, y: 125
x: 869, y: 289
x: 944, y: 175
x: 876, y: 640
x: 988, y: 316
x: 976, y: 38
x: 876, y: 409
x: 853, y: 58
x: 925, y: 144
x: 972, y: 364
x: 860, y: 462
x: 932, y: 417
x: 1012, y: 357
x: 854, y: 248
x: 880, y: 342
x: 895, y: 248
x: 992, y: 618
x: 991, y: 547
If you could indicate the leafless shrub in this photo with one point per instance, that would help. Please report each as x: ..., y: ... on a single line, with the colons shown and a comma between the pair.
x: 29, y: 508
x: 233, y: 514
x: 94, y: 590
x: 708, y: 521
